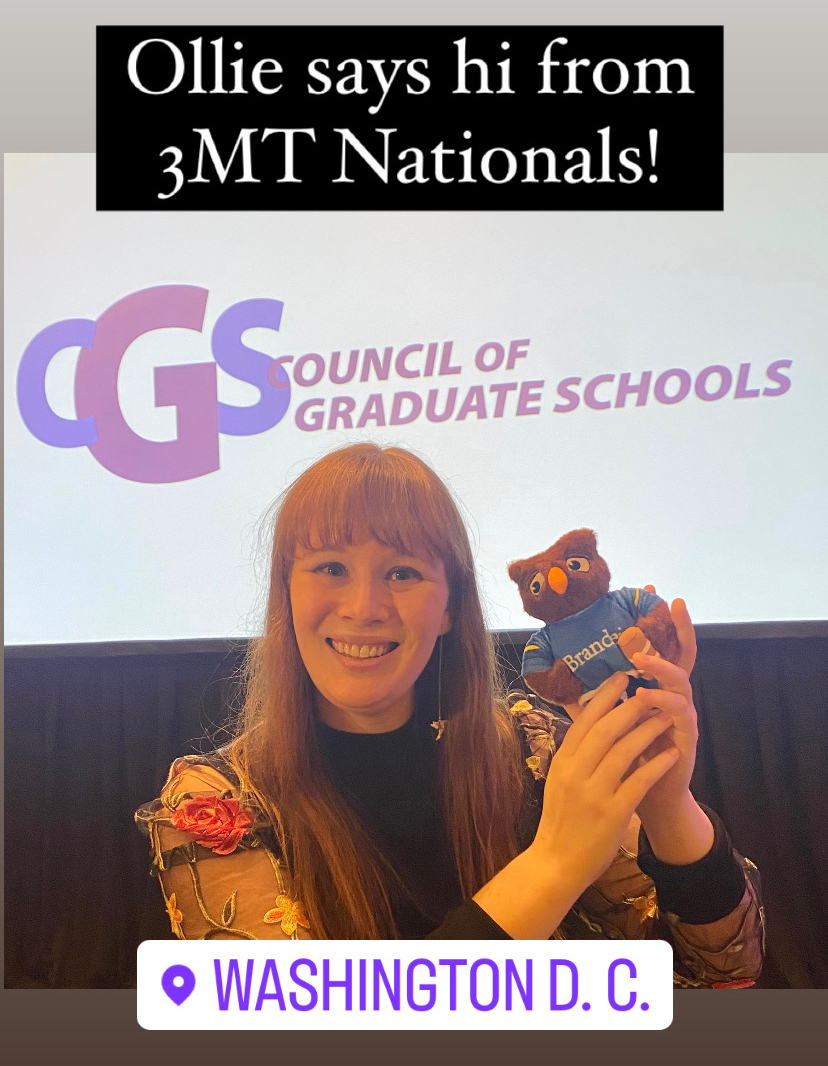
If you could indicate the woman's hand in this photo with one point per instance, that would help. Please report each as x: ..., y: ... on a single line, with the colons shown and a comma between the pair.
x: 673, y: 697
x: 595, y: 781
x: 603, y: 770
x: 684, y: 631
x: 678, y: 830
x: 611, y: 762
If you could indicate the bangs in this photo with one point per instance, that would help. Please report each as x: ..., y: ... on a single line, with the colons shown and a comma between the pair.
x: 364, y: 492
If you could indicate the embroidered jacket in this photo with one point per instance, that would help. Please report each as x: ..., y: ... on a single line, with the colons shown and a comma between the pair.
x: 222, y: 876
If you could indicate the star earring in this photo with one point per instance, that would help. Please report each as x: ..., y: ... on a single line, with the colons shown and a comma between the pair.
x: 439, y: 725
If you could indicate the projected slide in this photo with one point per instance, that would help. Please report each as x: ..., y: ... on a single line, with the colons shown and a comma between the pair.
x: 658, y: 377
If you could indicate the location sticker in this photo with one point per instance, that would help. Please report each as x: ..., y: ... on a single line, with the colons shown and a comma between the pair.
x: 178, y: 982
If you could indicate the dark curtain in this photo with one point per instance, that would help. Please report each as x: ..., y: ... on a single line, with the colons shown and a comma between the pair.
x: 89, y: 739
x: 763, y: 765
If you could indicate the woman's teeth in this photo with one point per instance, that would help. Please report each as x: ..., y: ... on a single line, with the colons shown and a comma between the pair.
x: 362, y: 651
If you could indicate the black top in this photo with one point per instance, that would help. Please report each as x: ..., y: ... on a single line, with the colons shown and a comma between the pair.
x: 390, y: 779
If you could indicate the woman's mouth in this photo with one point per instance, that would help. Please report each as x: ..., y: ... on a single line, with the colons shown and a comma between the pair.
x: 361, y: 651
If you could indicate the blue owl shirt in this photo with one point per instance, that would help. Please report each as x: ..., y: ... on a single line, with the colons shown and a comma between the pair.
x: 587, y: 641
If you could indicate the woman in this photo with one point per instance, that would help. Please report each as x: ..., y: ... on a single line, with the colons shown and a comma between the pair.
x: 377, y: 780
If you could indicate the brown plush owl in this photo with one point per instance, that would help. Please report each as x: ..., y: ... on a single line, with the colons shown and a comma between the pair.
x: 590, y: 632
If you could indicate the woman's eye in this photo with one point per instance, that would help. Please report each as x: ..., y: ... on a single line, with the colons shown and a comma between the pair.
x: 536, y: 584
x: 404, y: 573
x: 578, y: 563
x: 331, y: 569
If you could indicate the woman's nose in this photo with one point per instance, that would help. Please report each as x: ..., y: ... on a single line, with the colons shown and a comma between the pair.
x: 366, y: 599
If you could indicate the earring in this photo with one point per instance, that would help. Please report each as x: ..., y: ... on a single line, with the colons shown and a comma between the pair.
x: 439, y: 725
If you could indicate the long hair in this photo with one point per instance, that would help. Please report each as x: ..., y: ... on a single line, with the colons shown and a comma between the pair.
x: 338, y: 873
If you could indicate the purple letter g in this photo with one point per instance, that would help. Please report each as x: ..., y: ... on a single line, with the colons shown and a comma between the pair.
x: 191, y: 388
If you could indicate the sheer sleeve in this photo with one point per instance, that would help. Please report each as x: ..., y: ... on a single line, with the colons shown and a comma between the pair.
x: 721, y: 952
x: 710, y: 911
x: 219, y: 875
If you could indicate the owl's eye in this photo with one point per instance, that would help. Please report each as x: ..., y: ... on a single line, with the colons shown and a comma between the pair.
x: 536, y: 584
x: 578, y: 563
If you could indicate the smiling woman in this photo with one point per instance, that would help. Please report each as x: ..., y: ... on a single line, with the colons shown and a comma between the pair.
x: 366, y: 620
x: 338, y: 813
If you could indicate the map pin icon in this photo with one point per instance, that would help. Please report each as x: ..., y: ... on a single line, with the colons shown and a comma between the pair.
x: 178, y: 982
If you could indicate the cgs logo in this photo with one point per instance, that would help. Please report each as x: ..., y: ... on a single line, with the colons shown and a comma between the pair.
x: 191, y: 388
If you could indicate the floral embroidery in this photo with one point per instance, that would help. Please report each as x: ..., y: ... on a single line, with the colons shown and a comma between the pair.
x: 289, y: 913
x: 214, y: 822
x: 543, y: 731
x: 533, y: 762
x: 176, y: 917
x: 646, y: 906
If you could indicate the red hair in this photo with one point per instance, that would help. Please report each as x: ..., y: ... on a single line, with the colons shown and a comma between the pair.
x: 392, y: 496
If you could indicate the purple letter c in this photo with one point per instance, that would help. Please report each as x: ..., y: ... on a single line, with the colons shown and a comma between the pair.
x: 40, y: 419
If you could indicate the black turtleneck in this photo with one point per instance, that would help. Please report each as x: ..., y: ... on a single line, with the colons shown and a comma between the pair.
x: 390, y: 780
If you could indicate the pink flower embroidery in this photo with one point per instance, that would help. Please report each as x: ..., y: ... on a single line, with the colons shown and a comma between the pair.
x: 215, y: 823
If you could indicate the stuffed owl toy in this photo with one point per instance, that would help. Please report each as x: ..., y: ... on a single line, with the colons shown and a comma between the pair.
x: 590, y: 632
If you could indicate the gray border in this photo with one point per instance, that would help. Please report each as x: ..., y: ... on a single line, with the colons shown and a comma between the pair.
x: 776, y: 90
x: 776, y: 79
x: 758, y: 1027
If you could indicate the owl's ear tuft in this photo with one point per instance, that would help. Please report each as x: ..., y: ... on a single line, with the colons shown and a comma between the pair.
x: 516, y: 570
x: 583, y: 540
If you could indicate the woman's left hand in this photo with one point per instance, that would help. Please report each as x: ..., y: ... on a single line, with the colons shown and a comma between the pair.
x: 678, y: 829
x: 684, y: 733
x: 675, y: 697
x: 684, y: 631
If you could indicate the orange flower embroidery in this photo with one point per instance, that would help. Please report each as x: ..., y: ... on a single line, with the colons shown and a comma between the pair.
x: 542, y: 731
x: 646, y: 906
x: 176, y: 917
x: 289, y: 913
x: 533, y: 762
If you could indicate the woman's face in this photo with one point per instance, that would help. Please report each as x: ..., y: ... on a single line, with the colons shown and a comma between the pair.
x: 366, y: 620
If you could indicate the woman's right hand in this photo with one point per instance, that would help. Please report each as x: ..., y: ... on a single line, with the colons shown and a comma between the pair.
x: 594, y: 787
x: 592, y: 790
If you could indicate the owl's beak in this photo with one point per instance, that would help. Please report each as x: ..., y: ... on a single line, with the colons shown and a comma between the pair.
x: 557, y: 580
